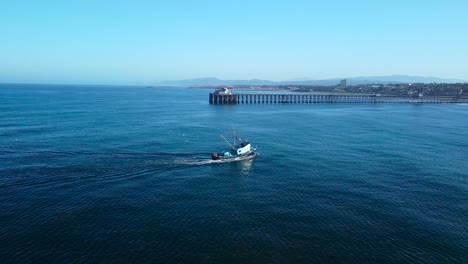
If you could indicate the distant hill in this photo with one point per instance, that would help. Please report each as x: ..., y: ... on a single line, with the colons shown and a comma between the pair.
x: 327, y: 82
x: 215, y: 81
x: 400, y: 79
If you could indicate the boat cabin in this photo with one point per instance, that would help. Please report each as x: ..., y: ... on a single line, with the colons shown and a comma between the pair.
x: 243, y: 148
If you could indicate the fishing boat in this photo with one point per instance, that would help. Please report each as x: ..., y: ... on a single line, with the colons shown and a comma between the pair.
x: 240, y: 150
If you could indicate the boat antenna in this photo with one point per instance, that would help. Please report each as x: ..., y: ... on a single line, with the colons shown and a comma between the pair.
x: 228, y: 142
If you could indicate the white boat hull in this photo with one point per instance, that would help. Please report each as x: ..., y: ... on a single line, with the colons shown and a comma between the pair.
x: 250, y: 155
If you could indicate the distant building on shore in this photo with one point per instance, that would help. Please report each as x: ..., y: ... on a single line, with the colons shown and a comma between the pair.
x: 343, y: 83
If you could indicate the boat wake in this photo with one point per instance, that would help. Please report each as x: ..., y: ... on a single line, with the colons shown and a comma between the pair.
x: 128, y: 154
x: 54, y: 167
x: 121, y: 157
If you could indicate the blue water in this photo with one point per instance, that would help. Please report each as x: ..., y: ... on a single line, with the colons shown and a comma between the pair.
x: 120, y: 174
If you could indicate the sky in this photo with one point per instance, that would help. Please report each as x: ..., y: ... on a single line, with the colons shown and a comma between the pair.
x: 144, y: 42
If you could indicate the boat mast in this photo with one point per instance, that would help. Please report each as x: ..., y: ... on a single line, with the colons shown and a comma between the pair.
x: 228, y: 142
x: 234, y: 137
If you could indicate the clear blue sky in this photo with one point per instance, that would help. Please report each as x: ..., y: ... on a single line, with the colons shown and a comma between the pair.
x: 141, y: 42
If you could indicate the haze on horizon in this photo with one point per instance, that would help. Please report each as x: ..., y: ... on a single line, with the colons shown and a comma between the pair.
x: 109, y: 42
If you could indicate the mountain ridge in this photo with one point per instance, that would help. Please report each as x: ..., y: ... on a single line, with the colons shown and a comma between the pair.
x: 213, y: 81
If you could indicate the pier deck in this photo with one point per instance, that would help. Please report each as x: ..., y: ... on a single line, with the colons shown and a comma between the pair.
x: 326, y: 99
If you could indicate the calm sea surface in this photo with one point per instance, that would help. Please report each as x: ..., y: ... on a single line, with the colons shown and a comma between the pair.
x: 122, y: 174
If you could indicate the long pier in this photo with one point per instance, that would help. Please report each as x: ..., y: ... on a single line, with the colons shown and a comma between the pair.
x: 326, y: 99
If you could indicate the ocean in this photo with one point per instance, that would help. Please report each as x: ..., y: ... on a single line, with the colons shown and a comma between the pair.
x: 123, y: 174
